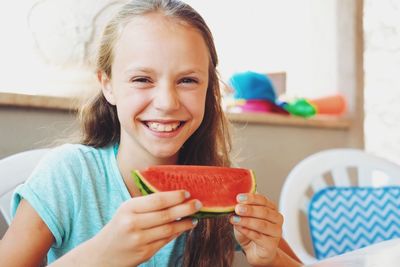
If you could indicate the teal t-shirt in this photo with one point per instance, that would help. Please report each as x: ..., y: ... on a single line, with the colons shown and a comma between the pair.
x: 76, y: 190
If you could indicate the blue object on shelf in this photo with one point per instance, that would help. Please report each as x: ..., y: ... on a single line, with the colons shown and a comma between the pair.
x: 252, y: 85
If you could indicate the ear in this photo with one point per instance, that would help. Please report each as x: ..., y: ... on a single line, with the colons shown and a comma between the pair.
x: 106, y: 87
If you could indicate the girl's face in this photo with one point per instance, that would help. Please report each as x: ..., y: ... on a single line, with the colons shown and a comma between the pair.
x: 159, y: 84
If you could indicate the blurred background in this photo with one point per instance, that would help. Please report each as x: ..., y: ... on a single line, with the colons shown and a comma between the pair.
x: 46, y: 46
x: 318, y: 48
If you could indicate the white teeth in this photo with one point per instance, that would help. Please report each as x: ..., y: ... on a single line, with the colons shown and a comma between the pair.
x: 163, y: 127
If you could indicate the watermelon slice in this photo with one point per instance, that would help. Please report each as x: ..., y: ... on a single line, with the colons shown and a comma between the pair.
x: 215, y: 187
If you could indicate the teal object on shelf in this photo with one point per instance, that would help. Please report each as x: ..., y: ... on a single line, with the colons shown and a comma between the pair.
x: 252, y: 85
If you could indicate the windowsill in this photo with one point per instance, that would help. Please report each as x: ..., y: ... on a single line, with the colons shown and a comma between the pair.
x: 38, y: 101
x: 284, y: 120
x: 72, y: 104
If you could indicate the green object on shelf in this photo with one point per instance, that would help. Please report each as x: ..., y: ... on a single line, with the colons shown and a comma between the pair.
x: 300, y: 107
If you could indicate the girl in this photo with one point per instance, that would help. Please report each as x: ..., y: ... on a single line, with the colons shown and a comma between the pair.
x: 159, y: 104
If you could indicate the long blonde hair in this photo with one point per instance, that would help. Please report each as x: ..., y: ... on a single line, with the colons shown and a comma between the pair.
x: 211, y: 243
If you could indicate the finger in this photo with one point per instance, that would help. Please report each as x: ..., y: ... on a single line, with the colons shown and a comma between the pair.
x: 258, y: 225
x: 157, y: 201
x: 260, y: 212
x: 167, y: 230
x: 255, y: 199
x: 153, y: 219
x: 240, y: 238
x: 263, y: 241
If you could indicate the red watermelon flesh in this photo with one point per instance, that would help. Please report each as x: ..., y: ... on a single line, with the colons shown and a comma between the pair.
x: 215, y: 187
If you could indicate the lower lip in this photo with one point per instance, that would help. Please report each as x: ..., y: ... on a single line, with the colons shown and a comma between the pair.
x: 165, y: 134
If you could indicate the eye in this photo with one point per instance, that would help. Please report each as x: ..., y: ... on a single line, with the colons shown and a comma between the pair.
x: 188, y: 80
x: 141, y: 80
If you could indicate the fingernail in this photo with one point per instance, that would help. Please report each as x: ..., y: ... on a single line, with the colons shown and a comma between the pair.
x: 195, y: 221
x: 187, y: 194
x: 235, y: 219
x: 198, y: 205
x: 242, y: 197
x: 242, y: 209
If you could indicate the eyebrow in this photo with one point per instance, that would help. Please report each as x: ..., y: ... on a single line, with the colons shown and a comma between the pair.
x: 192, y: 71
x: 140, y: 69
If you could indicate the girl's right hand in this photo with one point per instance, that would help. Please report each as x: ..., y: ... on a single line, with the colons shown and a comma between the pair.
x: 143, y: 225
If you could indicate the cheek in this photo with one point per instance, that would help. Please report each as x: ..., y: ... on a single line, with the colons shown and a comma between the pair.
x: 196, y: 105
x: 130, y: 106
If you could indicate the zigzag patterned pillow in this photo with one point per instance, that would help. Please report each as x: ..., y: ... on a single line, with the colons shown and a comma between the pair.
x: 342, y: 219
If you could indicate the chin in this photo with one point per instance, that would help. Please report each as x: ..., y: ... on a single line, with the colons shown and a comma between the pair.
x: 164, y: 155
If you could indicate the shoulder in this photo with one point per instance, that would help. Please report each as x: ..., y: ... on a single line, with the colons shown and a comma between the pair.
x: 56, y: 187
x: 71, y: 152
x: 67, y: 165
x: 73, y: 155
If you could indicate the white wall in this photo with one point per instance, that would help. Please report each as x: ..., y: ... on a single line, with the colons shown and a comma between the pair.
x: 49, y: 43
x: 382, y: 78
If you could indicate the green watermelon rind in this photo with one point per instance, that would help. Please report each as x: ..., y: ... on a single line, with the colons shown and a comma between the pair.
x: 142, y: 187
x: 146, y: 189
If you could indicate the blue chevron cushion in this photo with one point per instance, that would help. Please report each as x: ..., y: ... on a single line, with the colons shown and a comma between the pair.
x: 342, y: 219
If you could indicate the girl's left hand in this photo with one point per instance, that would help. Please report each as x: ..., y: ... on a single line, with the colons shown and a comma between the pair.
x: 258, y: 228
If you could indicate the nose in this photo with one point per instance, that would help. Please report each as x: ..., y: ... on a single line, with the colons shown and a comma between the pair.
x: 166, y: 98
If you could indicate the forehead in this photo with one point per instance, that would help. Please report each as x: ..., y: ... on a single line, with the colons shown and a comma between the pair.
x: 157, y: 20
x: 156, y: 35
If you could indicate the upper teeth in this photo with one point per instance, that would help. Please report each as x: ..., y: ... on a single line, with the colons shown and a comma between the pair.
x: 163, y: 127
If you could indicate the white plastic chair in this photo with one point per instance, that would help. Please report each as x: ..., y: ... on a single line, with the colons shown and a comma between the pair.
x: 14, y: 170
x: 310, y: 176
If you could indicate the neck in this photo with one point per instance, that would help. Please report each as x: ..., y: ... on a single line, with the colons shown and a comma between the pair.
x: 132, y: 157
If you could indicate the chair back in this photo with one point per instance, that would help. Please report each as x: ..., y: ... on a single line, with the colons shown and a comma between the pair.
x: 14, y: 170
x: 335, y: 167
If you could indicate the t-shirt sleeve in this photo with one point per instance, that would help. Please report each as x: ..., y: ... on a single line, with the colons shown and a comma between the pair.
x: 53, y: 190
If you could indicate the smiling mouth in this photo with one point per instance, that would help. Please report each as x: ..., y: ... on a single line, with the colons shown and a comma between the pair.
x: 163, y: 127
